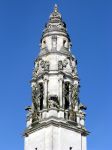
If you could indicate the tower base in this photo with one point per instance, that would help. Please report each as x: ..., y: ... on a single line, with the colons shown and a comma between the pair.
x: 52, y: 135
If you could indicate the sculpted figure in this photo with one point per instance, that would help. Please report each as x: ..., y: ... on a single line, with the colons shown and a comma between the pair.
x: 65, y: 62
x: 42, y: 63
x: 72, y: 115
x: 35, y: 116
x: 46, y: 67
x: 53, y: 102
x: 60, y: 65
x: 35, y: 70
x: 34, y: 76
x: 36, y: 66
x: 36, y: 96
x: 75, y: 93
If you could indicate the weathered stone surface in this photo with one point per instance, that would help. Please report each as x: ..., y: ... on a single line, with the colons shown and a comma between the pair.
x: 56, y: 120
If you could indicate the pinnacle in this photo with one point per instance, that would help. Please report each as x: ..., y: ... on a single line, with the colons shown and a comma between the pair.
x: 55, y: 8
x: 55, y: 13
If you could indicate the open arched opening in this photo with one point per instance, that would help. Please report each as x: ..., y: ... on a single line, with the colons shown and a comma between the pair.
x: 66, y: 93
x: 64, y: 43
x: 41, y: 95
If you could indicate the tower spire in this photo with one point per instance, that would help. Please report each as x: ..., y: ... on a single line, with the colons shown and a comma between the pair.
x: 56, y: 113
x: 55, y: 13
x: 55, y: 34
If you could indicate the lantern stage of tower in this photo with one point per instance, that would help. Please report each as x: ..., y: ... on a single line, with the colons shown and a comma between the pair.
x: 56, y: 118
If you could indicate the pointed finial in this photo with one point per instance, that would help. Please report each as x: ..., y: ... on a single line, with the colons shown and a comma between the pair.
x: 55, y: 13
x: 55, y: 8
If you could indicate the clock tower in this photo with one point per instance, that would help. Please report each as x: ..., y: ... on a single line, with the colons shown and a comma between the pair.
x: 56, y: 118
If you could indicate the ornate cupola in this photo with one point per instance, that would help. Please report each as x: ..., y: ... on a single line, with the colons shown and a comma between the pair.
x: 56, y: 113
x: 55, y: 36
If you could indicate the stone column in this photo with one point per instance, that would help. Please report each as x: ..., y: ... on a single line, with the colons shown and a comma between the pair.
x: 63, y: 94
x: 61, y: 90
x: 78, y: 118
x: 45, y: 91
x: 82, y: 118
x: 54, y: 42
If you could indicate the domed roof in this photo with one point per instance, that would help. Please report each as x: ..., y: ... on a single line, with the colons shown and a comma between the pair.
x: 55, y: 14
x: 55, y: 25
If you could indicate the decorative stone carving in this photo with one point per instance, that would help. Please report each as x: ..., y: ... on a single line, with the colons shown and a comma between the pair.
x: 82, y: 107
x: 29, y: 111
x: 53, y: 102
x: 75, y: 94
x: 36, y: 96
x: 34, y: 76
x: 65, y: 62
x: 36, y: 65
x: 74, y: 64
x: 82, y: 117
x: 35, y: 71
x: 60, y: 65
x: 55, y: 13
x: 55, y: 24
x: 44, y: 65
x: 35, y: 116
x: 72, y: 115
x: 49, y: 26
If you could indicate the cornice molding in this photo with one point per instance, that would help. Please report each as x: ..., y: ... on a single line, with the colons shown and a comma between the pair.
x: 56, y: 123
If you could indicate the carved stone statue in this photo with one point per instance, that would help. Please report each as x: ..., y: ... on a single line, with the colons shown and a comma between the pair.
x: 75, y: 94
x: 46, y: 67
x: 65, y: 62
x: 35, y: 116
x: 53, y: 102
x: 34, y: 76
x: 29, y: 110
x: 36, y: 67
x: 60, y: 65
x: 35, y: 70
x: 72, y: 115
x: 36, y: 96
x: 42, y: 63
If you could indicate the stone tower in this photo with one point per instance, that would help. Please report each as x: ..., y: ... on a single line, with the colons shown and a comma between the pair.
x: 55, y: 120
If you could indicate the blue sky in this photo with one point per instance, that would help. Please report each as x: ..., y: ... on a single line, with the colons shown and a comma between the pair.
x: 89, y: 23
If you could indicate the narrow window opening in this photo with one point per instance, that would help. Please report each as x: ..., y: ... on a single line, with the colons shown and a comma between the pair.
x: 70, y: 148
x: 64, y: 43
x: 44, y: 42
x: 41, y: 95
x: 66, y: 95
x: 54, y: 42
